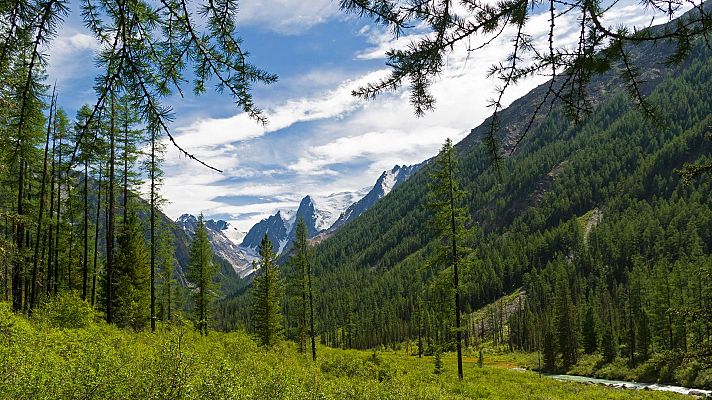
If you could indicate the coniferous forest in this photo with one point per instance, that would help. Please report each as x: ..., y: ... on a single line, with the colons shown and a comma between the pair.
x: 569, y: 234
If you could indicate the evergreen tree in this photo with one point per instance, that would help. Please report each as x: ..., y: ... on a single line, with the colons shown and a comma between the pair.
x: 438, y: 359
x: 300, y: 260
x: 131, y: 274
x: 564, y: 318
x: 549, y: 350
x: 166, y: 262
x: 608, y: 349
x: 446, y: 201
x: 267, y: 294
x: 201, y: 273
x: 590, y: 340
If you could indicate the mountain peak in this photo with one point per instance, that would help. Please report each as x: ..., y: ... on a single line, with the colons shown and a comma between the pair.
x: 388, y: 180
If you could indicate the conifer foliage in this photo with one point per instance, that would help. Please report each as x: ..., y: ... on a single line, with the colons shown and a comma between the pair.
x: 201, y: 273
x: 131, y: 276
x: 267, y: 293
x: 449, y: 218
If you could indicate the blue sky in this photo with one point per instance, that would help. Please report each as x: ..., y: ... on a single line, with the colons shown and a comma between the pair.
x: 320, y: 140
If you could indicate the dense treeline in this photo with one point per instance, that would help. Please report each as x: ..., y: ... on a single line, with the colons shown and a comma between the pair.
x: 592, y: 220
x: 73, y: 219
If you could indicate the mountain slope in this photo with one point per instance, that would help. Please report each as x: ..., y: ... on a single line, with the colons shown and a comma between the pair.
x: 371, y: 272
x: 219, y: 232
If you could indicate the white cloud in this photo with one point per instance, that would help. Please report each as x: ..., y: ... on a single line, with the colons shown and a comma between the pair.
x: 210, y: 132
x: 287, y: 16
x: 363, y: 137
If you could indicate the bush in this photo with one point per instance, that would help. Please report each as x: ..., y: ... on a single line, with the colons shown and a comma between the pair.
x: 66, y: 310
x: 11, y: 325
x: 704, y: 379
x: 342, y: 365
x: 687, y: 373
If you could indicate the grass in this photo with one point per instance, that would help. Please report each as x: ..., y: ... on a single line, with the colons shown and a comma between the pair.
x: 44, y: 359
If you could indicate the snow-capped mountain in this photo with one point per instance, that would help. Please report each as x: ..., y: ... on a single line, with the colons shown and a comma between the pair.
x: 276, y: 227
x: 385, y: 183
x: 224, y: 240
x: 322, y: 214
x: 318, y: 212
x: 325, y: 214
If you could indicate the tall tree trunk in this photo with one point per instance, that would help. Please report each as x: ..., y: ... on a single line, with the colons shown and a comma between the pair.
x: 35, y: 261
x: 85, y: 271
x: 50, y: 249
x: 311, y: 311
x: 110, y: 227
x: 153, y: 229
x: 96, y: 237
x: 455, y: 260
x: 126, y: 164
x: 19, y: 240
x: 70, y: 213
x: 59, y: 213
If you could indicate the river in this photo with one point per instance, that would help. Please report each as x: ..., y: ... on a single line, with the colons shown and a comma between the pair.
x: 632, y: 385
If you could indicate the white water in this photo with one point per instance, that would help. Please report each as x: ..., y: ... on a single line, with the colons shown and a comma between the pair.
x: 632, y: 385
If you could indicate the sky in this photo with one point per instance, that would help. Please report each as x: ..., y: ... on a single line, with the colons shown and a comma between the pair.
x: 319, y: 139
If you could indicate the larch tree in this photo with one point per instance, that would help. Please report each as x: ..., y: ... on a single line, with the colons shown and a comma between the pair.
x: 40, y: 217
x: 565, y: 320
x: 302, y: 262
x: 155, y: 175
x: 299, y: 260
x: 201, y: 272
x: 166, y: 262
x: 131, y: 274
x: 267, y: 293
x: 449, y: 218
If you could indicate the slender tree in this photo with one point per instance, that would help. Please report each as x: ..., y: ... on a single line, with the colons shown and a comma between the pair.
x: 110, y: 211
x: 131, y: 300
x: 300, y: 263
x: 267, y: 293
x: 166, y: 262
x: 40, y: 217
x: 201, y: 273
x: 97, y: 224
x: 449, y: 218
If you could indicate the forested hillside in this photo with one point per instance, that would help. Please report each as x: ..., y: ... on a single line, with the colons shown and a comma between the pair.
x: 591, y: 219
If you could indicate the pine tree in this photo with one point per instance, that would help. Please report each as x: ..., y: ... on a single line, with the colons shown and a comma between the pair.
x: 564, y: 320
x: 267, y: 295
x: 301, y: 260
x: 590, y: 340
x: 166, y: 261
x: 201, y: 273
x: 549, y: 350
x: 608, y: 349
x: 450, y: 217
x: 131, y: 274
x: 438, y: 359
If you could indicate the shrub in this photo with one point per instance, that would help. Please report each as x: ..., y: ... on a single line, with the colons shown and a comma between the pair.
x: 66, y: 310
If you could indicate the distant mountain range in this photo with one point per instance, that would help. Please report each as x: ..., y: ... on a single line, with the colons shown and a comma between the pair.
x: 323, y: 216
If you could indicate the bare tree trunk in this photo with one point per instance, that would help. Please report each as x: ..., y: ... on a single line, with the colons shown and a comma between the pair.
x: 59, y: 212
x: 311, y: 311
x: 153, y: 230
x: 126, y: 165
x: 19, y: 241
x: 35, y: 261
x: 85, y: 272
x: 455, y: 260
x: 71, y: 232
x: 50, y: 249
x: 110, y: 226
x: 96, y: 237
